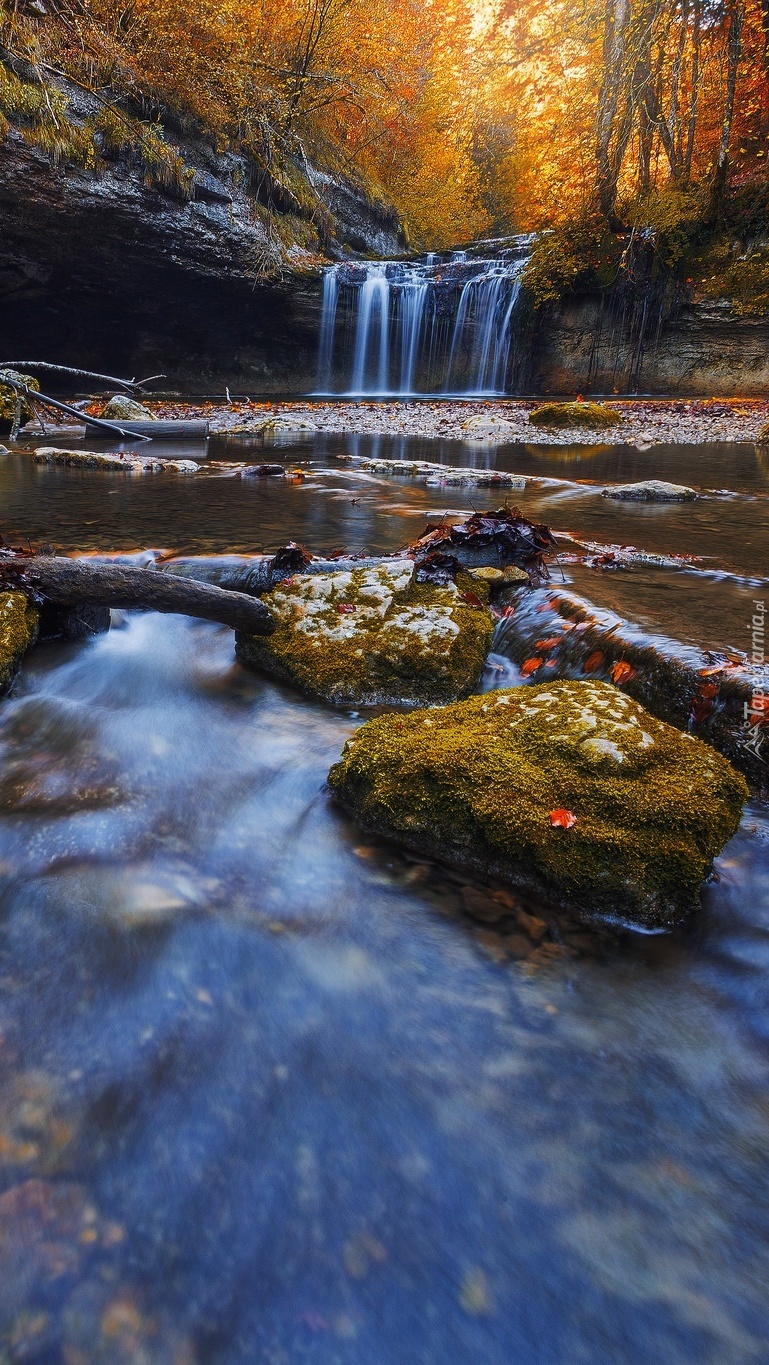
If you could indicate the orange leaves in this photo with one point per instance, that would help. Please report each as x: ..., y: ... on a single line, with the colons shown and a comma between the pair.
x: 530, y: 666
x: 621, y: 672
x: 562, y: 819
x: 593, y: 662
x: 548, y: 644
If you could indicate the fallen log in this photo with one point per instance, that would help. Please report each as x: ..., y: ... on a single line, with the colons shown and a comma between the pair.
x: 76, y: 582
x: 166, y: 429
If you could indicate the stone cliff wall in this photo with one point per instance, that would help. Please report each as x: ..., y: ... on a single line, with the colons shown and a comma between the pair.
x: 105, y: 272
x: 702, y: 349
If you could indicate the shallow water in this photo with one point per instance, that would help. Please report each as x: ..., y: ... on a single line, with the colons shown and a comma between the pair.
x: 265, y: 1093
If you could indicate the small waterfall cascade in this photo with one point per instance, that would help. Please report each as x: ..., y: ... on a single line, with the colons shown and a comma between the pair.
x: 443, y: 324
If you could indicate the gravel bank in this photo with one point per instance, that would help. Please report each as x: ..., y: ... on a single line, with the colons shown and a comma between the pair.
x: 646, y: 422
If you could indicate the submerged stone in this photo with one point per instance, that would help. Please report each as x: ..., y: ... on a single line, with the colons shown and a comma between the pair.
x: 650, y: 490
x: 569, y: 789
x: 374, y: 635
x: 594, y: 416
x: 127, y: 462
x: 18, y: 632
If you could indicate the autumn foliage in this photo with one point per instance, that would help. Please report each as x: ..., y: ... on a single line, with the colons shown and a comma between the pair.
x: 469, y: 116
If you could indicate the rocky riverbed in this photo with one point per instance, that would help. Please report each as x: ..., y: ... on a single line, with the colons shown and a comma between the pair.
x: 646, y: 422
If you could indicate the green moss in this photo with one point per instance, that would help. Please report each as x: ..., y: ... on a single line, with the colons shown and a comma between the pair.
x: 733, y: 270
x: 8, y: 398
x: 374, y: 636
x: 581, y: 255
x: 563, y: 416
x: 18, y: 632
x: 476, y: 784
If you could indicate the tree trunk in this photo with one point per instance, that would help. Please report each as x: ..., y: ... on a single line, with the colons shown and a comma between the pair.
x: 607, y: 171
x: 77, y: 582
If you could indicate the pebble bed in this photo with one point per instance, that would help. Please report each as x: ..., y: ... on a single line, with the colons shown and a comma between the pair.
x: 646, y: 422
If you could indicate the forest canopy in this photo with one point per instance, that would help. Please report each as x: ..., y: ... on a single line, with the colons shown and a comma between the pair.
x: 472, y: 117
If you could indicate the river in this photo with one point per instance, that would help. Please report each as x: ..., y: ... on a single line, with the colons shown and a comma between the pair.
x: 266, y: 1093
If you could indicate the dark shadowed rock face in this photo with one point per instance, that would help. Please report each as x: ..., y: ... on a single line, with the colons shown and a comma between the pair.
x: 701, y: 349
x: 105, y: 272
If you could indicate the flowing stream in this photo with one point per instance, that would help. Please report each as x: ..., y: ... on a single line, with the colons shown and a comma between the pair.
x: 266, y: 1093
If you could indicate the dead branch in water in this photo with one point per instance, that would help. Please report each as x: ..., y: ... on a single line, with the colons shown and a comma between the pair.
x: 76, y: 582
x: 11, y: 379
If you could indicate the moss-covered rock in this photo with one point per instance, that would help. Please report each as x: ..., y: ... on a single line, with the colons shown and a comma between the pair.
x: 8, y: 398
x: 493, y: 783
x: 565, y: 416
x: 375, y: 635
x: 121, y: 408
x: 18, y: 632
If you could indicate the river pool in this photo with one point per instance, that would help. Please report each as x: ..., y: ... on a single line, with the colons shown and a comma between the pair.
x: 266, y: 1093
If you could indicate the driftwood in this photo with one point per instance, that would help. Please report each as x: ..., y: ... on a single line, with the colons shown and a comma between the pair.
x: 76, y: 582
x: 166, y: 428
x: 22, y: 366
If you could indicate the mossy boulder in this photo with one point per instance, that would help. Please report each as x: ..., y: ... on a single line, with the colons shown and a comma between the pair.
x: 121, y: 408
x: 375, y: 635
x: 18, y: 632
x: 569, y: 789
x: 8, y: 398
x: 567, y: 416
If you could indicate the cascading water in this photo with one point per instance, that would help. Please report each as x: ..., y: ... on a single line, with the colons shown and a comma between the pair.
x: 442, y: 325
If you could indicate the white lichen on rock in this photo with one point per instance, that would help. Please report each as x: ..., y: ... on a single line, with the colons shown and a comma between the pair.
x: 373, y: 635
x: 650, y: 490
x: 127, y: 463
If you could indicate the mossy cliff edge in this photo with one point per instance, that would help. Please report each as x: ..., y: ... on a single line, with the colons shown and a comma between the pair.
x: 484, y: 784
x: 374, y: 636
x: 18, y: 632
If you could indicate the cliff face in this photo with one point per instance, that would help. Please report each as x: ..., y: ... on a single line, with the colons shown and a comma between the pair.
x: 702, y: 349
x: 104, y: 272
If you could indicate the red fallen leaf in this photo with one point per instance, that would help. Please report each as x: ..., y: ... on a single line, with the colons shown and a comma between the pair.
x: 344, y: 608
x: 708, y: 672
x: 548, y: 644
x: 508, y: 611
x: 621, y: 672
x: 562, y: 819
x: 530, y: 666
x: 593, y: 662
x: 471, y: 599
x: 708, y: 690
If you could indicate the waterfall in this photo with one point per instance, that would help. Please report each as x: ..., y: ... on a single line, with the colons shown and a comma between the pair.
x: 440, y: 325
x: 327, y: 328
x: 374, y: 299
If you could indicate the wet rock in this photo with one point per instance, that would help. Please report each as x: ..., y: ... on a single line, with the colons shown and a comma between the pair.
x: 263, y: 471
x: 435, y: 475
x: 281, y: 426
x: 554, y: 633
x: 650, y: 490
x: 488, y: 428
x: 19, y: 619
x: 115, y: 460
x: 374, y: 635
x: 563, y: 416
x: 478, y: 783
x: 121, y: 408
x: 763, y: 436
